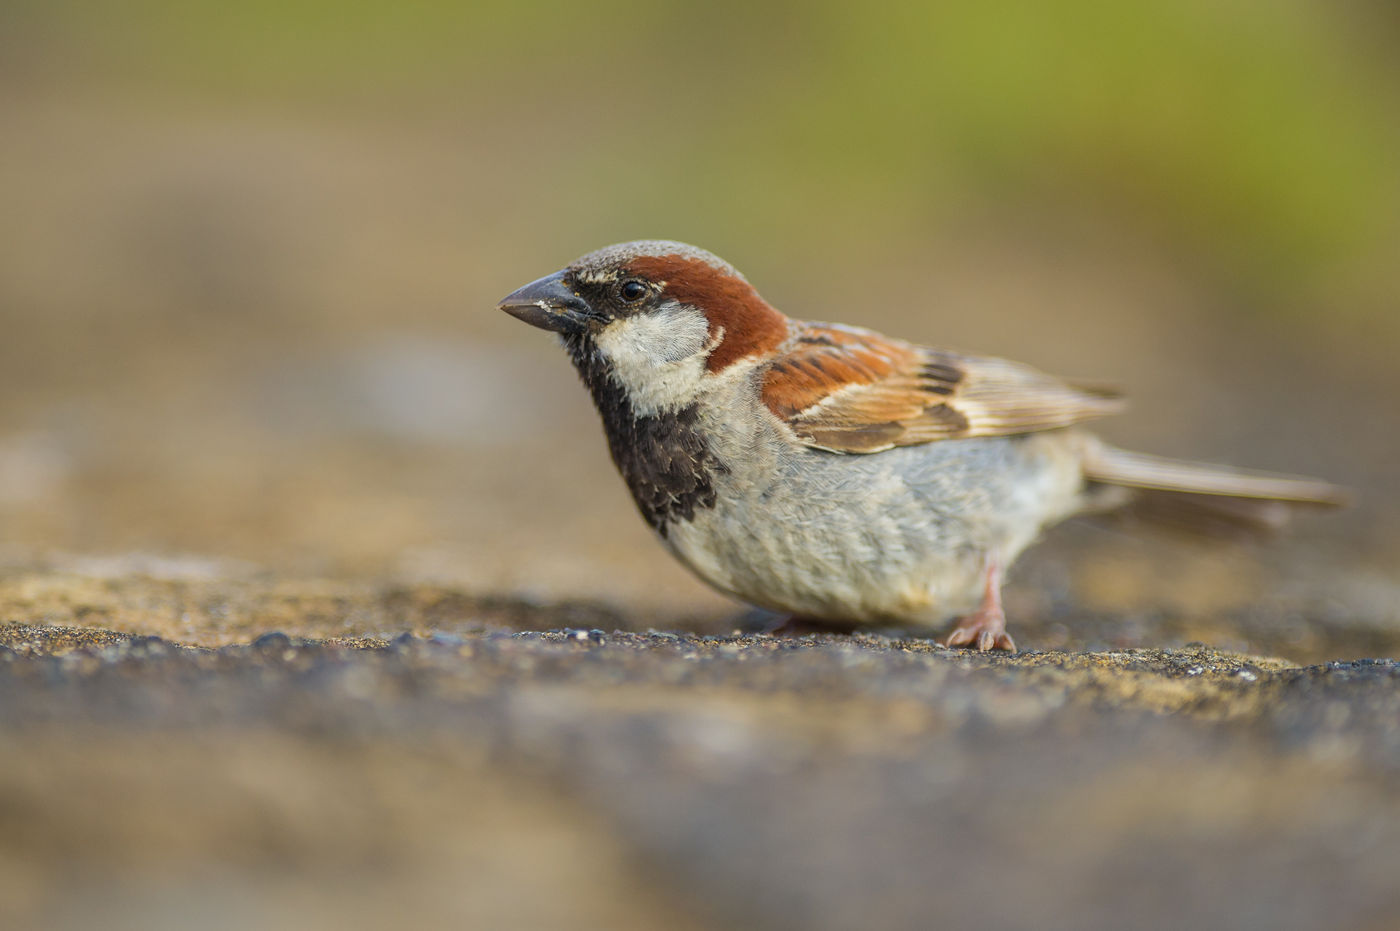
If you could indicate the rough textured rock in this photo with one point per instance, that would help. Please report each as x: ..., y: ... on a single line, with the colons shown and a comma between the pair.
x: 589, y: 777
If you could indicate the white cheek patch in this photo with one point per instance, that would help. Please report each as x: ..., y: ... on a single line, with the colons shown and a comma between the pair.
x: 658, y: 357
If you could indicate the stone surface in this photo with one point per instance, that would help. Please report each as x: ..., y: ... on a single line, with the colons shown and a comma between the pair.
x: 424, y: 763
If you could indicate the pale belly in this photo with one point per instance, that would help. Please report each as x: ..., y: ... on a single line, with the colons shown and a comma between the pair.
x: 905, y: 535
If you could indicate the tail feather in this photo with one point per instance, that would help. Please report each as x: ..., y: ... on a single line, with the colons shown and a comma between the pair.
x: 1216, y: 500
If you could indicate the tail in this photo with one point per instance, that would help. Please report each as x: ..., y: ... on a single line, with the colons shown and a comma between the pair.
x: 1209, y: 499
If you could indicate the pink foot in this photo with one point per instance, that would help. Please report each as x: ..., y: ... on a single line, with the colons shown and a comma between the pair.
x: 985, y: 628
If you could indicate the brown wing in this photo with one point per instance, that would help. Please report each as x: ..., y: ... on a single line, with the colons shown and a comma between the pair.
x: 855, y: 391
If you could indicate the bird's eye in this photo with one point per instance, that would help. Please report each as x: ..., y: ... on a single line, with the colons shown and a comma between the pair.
x: 632, y: 291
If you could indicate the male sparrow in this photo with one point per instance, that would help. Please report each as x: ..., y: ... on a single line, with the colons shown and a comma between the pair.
x: 835, y: 474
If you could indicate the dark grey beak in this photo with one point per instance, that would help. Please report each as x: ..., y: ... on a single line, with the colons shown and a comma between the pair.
x: 549, y: 305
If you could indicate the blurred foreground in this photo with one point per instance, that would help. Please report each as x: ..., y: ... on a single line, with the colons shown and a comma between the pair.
x: 589, y: 780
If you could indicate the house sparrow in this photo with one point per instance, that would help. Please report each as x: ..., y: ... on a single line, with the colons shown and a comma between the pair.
x: 838, y: 475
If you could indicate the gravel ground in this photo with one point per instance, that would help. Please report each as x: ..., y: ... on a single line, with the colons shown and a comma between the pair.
x: 586, y: 777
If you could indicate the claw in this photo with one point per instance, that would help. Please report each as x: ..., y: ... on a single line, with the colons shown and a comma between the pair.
x: 981, y: 634
x: 961, y: 636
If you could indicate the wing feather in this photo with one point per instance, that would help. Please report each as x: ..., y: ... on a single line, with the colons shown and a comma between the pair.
x: 851, y: 390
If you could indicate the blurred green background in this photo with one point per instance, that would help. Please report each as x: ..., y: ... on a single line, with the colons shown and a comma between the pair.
x: 252, y: 250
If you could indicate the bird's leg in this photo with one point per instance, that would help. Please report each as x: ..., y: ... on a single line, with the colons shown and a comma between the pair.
x: 985, y: 628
